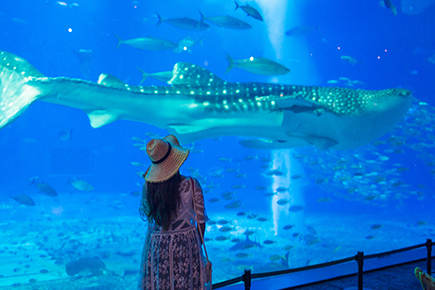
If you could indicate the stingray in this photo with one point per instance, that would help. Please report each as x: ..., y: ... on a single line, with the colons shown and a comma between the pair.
x: 198, y: 105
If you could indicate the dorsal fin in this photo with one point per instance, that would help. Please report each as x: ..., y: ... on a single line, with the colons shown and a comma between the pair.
x: 185, y: 73
x: 110, y: 81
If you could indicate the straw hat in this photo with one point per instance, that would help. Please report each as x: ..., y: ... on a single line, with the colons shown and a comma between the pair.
x: 166, y: 156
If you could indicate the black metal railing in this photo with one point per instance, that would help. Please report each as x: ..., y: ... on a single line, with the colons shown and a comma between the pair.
x: 359, y: 258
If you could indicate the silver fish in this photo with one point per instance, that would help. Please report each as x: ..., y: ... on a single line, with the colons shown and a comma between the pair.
x: 148, y: 43
x: 183, y: 23
x: 257, y: 65
x: 226, y: 22
x: 251, y: 11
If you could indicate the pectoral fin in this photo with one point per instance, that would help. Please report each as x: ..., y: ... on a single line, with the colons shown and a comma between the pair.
x: 100, y: 118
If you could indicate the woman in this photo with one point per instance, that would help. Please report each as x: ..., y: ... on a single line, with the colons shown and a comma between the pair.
x: 172, y: 256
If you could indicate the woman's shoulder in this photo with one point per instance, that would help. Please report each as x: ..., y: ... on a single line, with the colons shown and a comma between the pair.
x: 187, y: 179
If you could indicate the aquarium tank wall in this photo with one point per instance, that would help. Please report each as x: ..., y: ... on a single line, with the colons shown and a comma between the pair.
x: 310, y: 126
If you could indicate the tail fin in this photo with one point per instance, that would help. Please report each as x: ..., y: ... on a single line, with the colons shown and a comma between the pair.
x: 231, y: 62
x: 237, y: 5
x: 202, y: 16
x: 144, y: 75
x: 160, y: 19
x: 120, y: 42
x: 16, y: 92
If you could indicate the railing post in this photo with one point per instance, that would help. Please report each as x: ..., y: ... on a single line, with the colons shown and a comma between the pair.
x: 429, y: 256
x: 247, y: 279
x: 360, y: 259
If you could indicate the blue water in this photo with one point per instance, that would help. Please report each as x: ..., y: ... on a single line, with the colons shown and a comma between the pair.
x: 391, y: 188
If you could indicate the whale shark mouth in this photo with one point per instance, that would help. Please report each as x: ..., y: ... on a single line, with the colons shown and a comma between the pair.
x: 198, y: 105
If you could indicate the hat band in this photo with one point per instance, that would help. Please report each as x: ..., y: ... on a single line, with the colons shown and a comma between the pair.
x: 164, y: 157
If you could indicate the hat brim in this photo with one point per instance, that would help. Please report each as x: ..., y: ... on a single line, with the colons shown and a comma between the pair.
x: 170, y: 166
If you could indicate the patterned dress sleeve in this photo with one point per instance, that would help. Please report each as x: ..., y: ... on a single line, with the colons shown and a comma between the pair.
x: 201, y: 214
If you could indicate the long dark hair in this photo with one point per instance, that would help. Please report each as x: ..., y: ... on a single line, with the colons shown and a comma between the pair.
x: 161, y: 201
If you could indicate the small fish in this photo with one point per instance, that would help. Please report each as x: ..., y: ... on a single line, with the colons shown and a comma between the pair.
x: 324, y: 199
x: 390, y: 5
x: 276, y: 258
x: 239, y: 175
x: 296, y: 208
x: 242, y: 255
x: 148, y: 43
x: 249, y: 157
x: 320, y: 180
x: 397, y: 184
x: 222, y: 222
x: 221, y: 238
x: 269, y: 242
x: 282, y: 201
x: 299, y: 30
x: 248, y: 232
x: 225, y: 229
x: 183, y: 23
x: 287, y: 227
x: 163, y: 76
x: 257, y: 65
x: 227, y: 22
x: 224, y: 159
x: 299, y: 156
x: 65, y: 134
x: 135, y: 193
x: 213, y: 200
x: 251, y: 11
x: 274, y: 172
x: 261, y: 219
x: 237, y: 186
x: 186, y: 44
x: 137, y: 139
x: 421, y: 223
x: 349, y: 59
x: 235, y: 240
x: 241, y: 213
x: 296, y: 176
x: 310, y: 239
x: 311, y: 230
x: 137, y: 164
x: 43, y: 187
x: 281, y: 189
x: 260, y: 187
x: 271, y: 194
x: 370, y: 237
x: 81, y: 185
x: 23, y: 199
x: 251, y: 216
x: 370, y: 197
x: 231, y: 170
x: 288, y: 247
x: 234, y: 204
x: 376, y: 226
x: 192, y: 169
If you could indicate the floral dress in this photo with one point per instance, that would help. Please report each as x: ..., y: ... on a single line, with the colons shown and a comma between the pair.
x: 173, y: 259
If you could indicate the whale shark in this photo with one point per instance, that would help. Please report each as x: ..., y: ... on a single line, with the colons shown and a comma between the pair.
x: 197, y: 104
